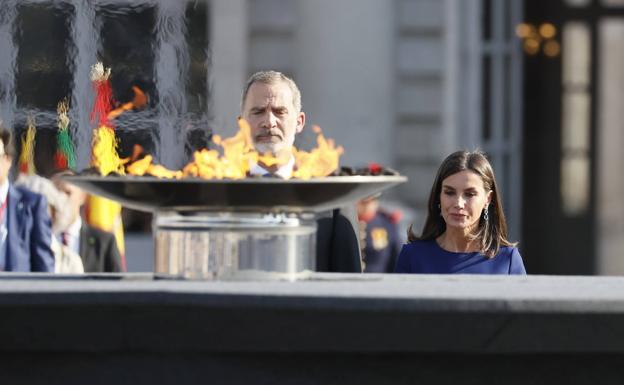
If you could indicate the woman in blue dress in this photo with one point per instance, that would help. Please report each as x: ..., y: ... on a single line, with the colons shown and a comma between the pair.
x: 465, y: 231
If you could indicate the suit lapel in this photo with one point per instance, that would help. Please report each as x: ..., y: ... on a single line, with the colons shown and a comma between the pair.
x: 83, y: 245
x: 14, y: 228
x: 86, y: 250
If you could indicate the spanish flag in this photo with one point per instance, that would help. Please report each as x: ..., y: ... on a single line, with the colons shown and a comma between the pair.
x: 26, y: 158
x: 100, y: 212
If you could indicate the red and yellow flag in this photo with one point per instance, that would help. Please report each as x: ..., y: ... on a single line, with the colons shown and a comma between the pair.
x: 27, y: 154
x: 101, y: 212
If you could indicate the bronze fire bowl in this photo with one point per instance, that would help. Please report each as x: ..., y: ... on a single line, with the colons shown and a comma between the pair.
x: 152, y: 194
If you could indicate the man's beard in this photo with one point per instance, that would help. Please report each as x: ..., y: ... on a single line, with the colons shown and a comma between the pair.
x: 272, y: 148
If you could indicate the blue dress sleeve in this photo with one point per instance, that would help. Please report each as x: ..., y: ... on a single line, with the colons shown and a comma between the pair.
x: 516, y: 266
x: 403, y: 261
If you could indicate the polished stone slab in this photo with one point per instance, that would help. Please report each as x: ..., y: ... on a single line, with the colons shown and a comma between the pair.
x: 395, y: 328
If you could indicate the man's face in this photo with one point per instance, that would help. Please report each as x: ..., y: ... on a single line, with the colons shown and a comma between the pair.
x: 367, y: 209
x: 75, y: 196
x: 5, y: 166
x: 274, y: 121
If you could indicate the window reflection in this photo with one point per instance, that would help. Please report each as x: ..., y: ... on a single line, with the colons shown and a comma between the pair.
x: 575, y: 119
x: 577, y: 3
x: 609, y: 156
x: 613, y: 3
x: 575, y: 184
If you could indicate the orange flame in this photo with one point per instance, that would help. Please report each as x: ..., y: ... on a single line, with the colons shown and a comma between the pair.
x: 321, y: 161
x: 139, y: 101
x: 239, y: 155
x: 145, y: 166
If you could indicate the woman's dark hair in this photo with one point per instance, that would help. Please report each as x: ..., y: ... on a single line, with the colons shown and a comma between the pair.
x: 492, y: 233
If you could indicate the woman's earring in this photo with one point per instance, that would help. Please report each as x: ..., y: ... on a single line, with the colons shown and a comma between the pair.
x: 486, y: 215
x: 440, y: 209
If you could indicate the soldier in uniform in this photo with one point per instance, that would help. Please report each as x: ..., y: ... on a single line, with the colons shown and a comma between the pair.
x: 380, y: 241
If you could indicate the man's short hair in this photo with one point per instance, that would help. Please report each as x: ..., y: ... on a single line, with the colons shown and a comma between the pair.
x: 273, y: 77
x: 7, y: 142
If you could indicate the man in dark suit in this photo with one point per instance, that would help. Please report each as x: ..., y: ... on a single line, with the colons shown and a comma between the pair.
x: 271, y: 104
x: 97, y: 248
x: 25, y: 226
x: 337, y: 246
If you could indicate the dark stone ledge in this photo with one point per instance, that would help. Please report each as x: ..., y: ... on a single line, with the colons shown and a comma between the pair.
x: 333, y: 328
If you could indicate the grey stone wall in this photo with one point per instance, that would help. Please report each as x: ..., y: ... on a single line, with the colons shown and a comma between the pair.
x: 374, y: 75
x: 421, y: 71
x: 331, y: 329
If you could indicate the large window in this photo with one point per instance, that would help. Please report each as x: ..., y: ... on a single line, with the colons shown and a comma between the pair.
x: 160, y: 46
x: 501, y: 107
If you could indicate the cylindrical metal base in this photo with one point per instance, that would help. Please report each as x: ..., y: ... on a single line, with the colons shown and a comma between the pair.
x: 235, y: 246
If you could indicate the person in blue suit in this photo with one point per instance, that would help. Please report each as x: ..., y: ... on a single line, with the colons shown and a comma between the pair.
x: 379, y: 236
x: 25, y: 226
x: 465, y: 231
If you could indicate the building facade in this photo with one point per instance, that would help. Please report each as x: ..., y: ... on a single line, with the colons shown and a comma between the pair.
x: 401, y: 83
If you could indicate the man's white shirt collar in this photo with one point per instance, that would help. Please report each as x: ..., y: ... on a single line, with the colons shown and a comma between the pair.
x: 4, y: 191
x: 285, y: 171
x: 72, y: 235
x: 74, y: 228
